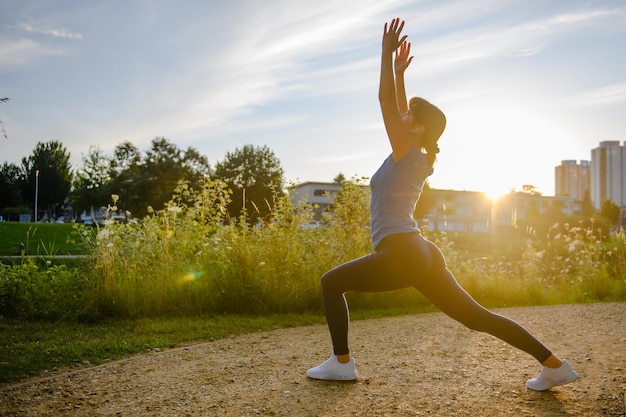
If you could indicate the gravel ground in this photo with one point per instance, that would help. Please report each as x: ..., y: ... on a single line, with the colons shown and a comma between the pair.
x: 418, y: 365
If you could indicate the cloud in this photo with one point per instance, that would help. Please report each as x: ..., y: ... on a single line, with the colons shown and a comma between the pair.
x: 14, y: 53
x: 523, y: 39
x: 604, y: 96
x: 54, y: 32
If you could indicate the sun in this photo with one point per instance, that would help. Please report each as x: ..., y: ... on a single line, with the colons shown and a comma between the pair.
x: 495, y: 193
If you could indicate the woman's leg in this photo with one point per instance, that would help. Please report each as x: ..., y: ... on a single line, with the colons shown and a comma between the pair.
x: 371, y: 273
x: 442, y: 289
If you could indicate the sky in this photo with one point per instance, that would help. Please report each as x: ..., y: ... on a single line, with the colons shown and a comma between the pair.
x: 524, y: 84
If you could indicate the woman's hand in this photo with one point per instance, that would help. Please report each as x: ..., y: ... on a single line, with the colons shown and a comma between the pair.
x: 391, y: 36
x: 403, y: 60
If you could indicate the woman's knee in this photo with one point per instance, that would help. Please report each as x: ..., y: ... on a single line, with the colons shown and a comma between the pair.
x: 329, y: 281
x: 480, y: 320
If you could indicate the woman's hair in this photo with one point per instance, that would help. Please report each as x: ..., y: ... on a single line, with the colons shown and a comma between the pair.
x: 433, y: 119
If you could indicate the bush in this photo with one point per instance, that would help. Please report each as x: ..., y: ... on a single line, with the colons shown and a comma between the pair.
x: 31, y: 292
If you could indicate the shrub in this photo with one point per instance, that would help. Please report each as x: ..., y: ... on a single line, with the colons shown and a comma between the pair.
x: 31, y: 292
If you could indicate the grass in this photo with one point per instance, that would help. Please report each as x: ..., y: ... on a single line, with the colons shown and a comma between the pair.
x: 39, y: 239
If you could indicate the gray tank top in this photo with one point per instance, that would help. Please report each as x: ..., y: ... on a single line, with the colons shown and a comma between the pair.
x: 396, y: 187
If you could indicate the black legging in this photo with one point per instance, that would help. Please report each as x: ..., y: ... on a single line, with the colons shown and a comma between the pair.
x: 408, y: 260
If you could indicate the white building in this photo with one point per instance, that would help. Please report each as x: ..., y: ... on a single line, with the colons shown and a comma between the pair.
x: 320, y: 194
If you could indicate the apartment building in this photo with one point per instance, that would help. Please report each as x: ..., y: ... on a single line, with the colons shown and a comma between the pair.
x: 608, y: 174
x: 572, y: 179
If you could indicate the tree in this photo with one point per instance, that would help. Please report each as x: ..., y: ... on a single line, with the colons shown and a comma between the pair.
x: 10, y: 193
x: 339, y: 179
x: 125, y: 169
x: 587, y: 207
x: 92, y: 183
x: 530, y: 189
x: 255, y: 176
x: 150, y: 180
x: 610, y: 211
x: 52, y: 162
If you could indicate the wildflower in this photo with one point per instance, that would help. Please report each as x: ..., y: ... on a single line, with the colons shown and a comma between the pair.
x: 115, y: 197
x: 262, y: 263
x: 103, y: 234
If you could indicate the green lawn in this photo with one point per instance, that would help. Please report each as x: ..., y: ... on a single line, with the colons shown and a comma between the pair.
x: 39, y: 239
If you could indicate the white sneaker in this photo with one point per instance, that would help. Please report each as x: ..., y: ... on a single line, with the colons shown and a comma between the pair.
x: 333, y: 370
x: 551, y: 377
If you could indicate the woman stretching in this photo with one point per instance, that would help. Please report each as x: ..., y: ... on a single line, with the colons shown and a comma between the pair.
x: 402, y: 257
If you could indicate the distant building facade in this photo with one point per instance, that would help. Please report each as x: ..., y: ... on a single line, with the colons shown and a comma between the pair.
x: 458, y: 211
x: 514, y: 206
x: 320, y: 194
x: 572, y: 179
x: 455, y: 211
x: 608, y: 174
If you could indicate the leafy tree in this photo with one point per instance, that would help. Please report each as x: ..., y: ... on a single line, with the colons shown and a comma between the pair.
x: 150, y: 180
x: 610, y: 211
x: 125, y: 170
x: 195, y: 166
x: 92, y: 183
x: 339, y: 179
x: 162, y: 169
x: 52, y: 160
x: 10, y: 177
x: 587, y: 207
x: 255, y: 176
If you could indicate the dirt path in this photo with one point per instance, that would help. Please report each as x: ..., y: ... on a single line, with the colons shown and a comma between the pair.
x: 421, y: 365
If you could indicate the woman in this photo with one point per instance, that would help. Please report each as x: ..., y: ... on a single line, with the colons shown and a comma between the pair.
x: 402, y: 257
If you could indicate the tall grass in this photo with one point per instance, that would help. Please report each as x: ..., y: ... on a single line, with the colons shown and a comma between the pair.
x: 191, y: 258
x: 572, y: 264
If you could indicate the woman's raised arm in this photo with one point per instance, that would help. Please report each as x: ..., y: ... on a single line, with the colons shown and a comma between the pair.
x: 396, y: 132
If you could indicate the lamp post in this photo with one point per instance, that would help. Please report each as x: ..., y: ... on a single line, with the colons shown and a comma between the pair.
x: 36, y: 192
